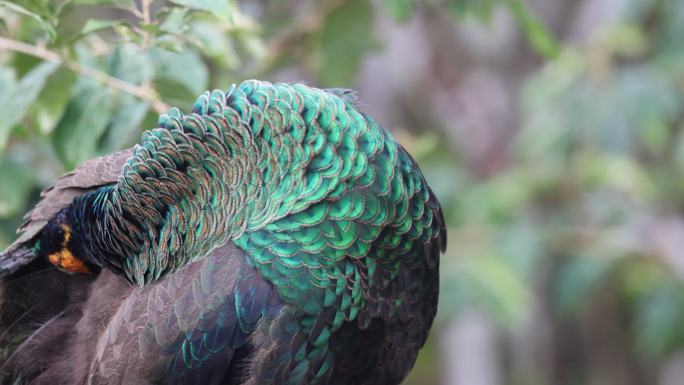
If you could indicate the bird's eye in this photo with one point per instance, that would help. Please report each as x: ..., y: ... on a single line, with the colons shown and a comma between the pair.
x: 64, y: 258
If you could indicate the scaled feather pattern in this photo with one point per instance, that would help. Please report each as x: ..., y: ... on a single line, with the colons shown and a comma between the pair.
x: 275, y: 231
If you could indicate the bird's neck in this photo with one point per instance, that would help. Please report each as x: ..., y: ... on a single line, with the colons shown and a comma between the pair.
x: 97, y: 238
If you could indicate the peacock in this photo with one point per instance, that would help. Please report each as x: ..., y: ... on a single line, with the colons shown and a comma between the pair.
x: 276, y: 234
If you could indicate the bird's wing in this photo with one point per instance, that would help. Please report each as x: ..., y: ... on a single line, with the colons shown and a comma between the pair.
x: 90, y: 175
x: 350, y: 265
x: 189, y: 326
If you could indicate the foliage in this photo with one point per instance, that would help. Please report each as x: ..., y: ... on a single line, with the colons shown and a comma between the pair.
x: 535, y: 31
x: 593, y: 183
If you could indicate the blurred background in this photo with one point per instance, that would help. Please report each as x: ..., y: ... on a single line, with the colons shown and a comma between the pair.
x: 551, y: 130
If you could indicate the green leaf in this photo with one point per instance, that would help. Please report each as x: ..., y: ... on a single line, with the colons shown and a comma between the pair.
x: 35, y: 10
x: 400, y: 9
x: 174, y: 20
x: 502, y: 290
x: 85, y: 120
x: 96, y: 25
x: 124, y: 128
x: 486, y: 282
x: 69, y: 35
x: 114, y: 3
x: 16, y: 97
x: 345, y: 38
x: 537, y: 34
x: 13, y: 195
x: 223, y: 9
x: 169, y: 43
x: 52, y: 101
x: 217, y: 46
x: 185, y: 68
x: 252, y: 44
x: 48, y: 10
x: 479, y: 8
x: 129, y: 63
x: 175, y: 93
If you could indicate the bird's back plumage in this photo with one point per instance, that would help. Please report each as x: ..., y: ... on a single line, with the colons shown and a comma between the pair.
x: 276, y: 235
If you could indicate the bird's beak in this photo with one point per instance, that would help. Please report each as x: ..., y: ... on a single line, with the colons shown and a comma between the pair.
x: 14, y: 257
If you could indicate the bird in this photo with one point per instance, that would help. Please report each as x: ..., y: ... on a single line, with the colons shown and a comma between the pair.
x: 276, y: 234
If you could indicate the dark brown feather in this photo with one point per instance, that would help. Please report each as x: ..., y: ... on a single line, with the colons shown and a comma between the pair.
x: 91, y: 174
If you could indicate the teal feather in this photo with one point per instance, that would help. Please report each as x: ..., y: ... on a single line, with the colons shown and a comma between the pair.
x: 340, y: 233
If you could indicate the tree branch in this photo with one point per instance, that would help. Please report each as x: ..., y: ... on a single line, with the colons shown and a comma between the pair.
x: 146, y: 19
x: 143, y: 93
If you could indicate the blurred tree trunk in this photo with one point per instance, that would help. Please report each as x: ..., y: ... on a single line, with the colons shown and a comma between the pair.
x: 470, y: 347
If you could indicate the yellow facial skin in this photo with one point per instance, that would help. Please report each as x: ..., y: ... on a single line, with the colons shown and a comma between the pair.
x: 65, y: 259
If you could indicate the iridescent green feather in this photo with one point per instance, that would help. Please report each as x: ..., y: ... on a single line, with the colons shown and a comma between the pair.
x: 329, y: 208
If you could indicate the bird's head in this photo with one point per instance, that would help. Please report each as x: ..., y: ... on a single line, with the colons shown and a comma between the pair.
x: 59, y: 244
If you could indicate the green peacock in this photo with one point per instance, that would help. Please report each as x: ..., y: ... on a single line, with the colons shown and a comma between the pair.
x: 276, y: 234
